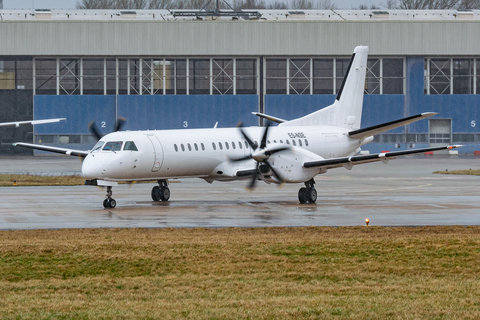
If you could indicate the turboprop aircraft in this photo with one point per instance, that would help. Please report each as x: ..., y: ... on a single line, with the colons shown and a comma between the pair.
x: 295, y: 151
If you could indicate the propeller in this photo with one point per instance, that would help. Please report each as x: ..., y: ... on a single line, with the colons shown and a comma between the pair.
x: 96, y: 132
x: 260, y: 154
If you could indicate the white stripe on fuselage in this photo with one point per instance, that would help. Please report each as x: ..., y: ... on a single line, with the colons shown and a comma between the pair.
x: 326, y: 141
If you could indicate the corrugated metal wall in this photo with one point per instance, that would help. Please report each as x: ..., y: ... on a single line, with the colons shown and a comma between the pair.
x: 252, y: 38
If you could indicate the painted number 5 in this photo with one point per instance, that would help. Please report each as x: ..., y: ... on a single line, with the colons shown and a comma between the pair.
x: 473, y: 123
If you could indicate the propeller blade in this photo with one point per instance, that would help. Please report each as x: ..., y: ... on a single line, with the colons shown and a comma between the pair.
x: 263, y: 144
x: 94, y: 130
x: 275, y: 173
x: 240, y: 159
x: 251, y: 186
x: 249, y: 141
x: 120, y: 122
x: 272, y: 151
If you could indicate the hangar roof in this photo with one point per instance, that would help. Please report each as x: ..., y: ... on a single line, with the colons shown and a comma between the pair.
x: 307, y: 15
x: 277, y: 33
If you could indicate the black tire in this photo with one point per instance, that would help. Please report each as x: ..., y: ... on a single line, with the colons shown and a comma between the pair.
x: 156, y: 193
x: 164, y: 194
x: 302, y: 195
x: 105, y: 203
x: 312, y: 195
x: 112, y: 203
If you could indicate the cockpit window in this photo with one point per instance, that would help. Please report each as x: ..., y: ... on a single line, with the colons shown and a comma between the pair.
x: 98, y: 146
x: 130, y: 146
x: 113, y: 146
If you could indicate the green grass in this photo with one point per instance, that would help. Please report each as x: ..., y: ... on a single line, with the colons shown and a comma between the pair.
x: 8, y: 180
x: 469, y: 172
x: 263, y: 273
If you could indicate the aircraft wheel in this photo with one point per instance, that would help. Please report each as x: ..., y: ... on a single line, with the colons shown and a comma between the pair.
x: 112, y: 203
x: 164, y: 193
x: 156, y: 193
x: 312, y: 195
x: 109, y: 203
x: 303, y: 195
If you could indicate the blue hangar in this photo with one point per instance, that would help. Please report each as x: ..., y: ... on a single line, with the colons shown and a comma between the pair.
x: 163, y: 69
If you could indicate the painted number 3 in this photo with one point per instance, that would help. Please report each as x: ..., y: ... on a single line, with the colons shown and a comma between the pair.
x: 185, y: 124
x: 473, y: 123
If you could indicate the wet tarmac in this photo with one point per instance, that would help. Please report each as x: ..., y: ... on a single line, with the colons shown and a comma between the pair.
x: 403, y: 192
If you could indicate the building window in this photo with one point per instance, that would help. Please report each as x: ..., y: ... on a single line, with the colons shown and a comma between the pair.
x: 451, y: 76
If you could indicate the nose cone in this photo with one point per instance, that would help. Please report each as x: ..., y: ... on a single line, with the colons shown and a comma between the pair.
x: 92, y: 168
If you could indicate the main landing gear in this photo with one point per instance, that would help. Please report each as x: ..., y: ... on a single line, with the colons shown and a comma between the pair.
x: 161, y: 192
x: 109, y: 202
x: 308, y: 194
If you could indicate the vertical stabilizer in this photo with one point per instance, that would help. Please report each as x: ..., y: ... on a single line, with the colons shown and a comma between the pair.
x: 346, y: 111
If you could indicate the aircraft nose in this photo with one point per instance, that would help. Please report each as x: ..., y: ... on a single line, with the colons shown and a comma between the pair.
x: 92, y: 168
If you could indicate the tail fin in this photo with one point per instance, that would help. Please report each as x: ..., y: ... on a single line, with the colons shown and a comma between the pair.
x: 346, y: 111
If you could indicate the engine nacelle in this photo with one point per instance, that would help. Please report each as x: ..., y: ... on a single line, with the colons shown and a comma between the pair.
x: 289, y: 164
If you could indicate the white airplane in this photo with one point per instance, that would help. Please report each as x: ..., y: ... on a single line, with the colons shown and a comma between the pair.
x: 295, y: 151
x: 18, y: 123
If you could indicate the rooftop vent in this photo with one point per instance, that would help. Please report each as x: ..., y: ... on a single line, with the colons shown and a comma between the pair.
x: 297, y: 14
x: 381, y: 14
x: 128, y: 14
x: 463, y: 14
x: 43, y: 14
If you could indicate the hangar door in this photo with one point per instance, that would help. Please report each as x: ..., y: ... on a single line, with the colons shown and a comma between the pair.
x: 440, y: 132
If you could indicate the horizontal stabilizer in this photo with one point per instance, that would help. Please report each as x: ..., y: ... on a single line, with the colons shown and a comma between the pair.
x: 69, y: 152
x: 18, y: 123
x: 371, y: 131
x: 271, y: 118
x: 353, y: 160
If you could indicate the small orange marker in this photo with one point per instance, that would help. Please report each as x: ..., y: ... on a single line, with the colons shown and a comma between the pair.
x: 366, y: 222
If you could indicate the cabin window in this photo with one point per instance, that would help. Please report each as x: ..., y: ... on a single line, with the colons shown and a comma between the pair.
x: 98, y: 146
x: 306, y: 142
x: 299, y: 142
x: 183, y: 147
x: 189, y: 147
x: 268, y: 141
x: 196, y: 147
x: 233, y: 145
x: 246, y: 145
x: 176, y: 148
x: 130, y: 146
x: 203, y: 147
x: 288, y: 142
x: 220, y: 146
x: 226, y: 145
x: 213, y: 145
x: 294, y: 143
x: 274, y: 141
x: 113, y: 146
x: 281, y: 141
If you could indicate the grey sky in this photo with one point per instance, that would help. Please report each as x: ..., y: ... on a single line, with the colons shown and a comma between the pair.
x: 70, y: 4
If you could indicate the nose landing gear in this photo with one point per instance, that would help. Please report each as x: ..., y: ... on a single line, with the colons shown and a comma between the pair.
x: 161, y: 192
x: 109, y: 202
x: 308, y: 194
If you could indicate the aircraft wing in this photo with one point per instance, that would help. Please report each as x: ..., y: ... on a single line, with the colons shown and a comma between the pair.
x: 348, y: 162
x: 70, y: 152
x: 18, y: 123
x: 373, y: 130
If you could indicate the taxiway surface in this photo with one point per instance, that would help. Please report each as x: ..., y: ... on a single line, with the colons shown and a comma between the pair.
x: 403, y: 192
